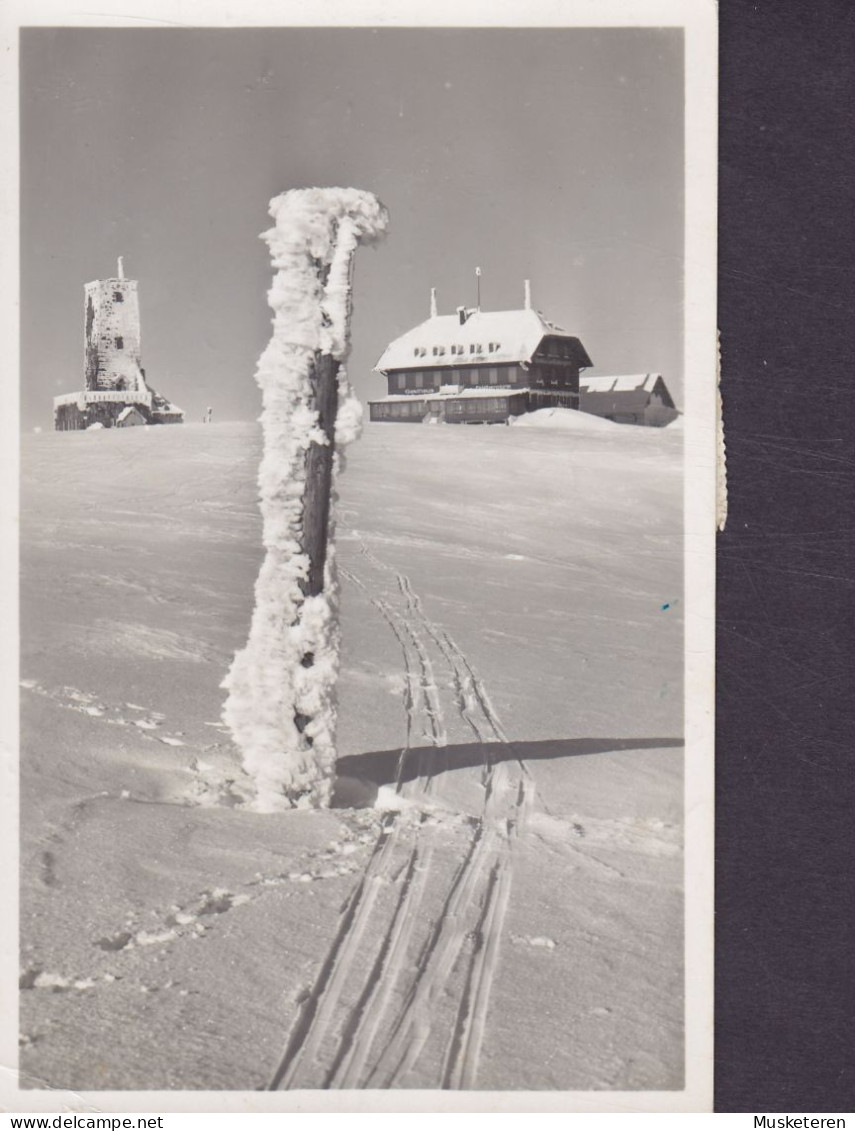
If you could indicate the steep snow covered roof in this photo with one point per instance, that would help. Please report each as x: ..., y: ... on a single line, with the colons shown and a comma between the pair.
x: 126, y: 412
x: 493, y: 336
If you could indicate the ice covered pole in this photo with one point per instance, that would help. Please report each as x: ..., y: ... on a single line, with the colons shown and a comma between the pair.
x: 281, y: 706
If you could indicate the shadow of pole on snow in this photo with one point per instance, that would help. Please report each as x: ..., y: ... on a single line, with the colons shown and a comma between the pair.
x: 360, y: 776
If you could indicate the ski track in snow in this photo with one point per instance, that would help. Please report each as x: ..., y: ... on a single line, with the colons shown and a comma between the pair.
x: 371, y: 1011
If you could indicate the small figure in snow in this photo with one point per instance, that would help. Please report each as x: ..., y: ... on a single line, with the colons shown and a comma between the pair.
x: 209, y: 415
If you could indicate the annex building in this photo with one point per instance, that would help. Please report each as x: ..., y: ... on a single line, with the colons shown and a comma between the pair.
x: 115, y: 392
x: 636, y: 399
x: 479, y: 367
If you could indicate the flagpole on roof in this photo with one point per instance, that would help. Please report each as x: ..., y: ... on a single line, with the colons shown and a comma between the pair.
x: 478, y: 288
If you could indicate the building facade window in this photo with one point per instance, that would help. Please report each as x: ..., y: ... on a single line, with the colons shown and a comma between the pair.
x: 118, y: 296
x: 120, y: 343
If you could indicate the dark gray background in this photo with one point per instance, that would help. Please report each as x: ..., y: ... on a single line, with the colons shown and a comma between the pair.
x: 785, y: 880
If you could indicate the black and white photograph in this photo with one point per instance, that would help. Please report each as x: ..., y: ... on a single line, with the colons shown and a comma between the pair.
x: 367, y: 466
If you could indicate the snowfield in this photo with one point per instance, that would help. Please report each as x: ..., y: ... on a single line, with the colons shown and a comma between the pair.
x: 494, y: 901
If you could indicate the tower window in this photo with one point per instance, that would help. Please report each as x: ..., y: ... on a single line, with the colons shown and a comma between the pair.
x: 118, y: 296
x: 120, y: 343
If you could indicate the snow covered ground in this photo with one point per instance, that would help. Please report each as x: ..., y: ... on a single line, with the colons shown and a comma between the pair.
x: 495, y: 901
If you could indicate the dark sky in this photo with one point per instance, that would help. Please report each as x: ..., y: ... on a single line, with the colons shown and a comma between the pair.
x: 551, y: 154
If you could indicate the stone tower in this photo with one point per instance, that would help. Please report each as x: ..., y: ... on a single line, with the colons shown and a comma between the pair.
x: 112, y: 334
x: 115, y: 393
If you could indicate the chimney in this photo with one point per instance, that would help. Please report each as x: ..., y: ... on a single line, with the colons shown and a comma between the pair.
x: 528, y: 294
x: 433, y: 302
x: 121, y: 266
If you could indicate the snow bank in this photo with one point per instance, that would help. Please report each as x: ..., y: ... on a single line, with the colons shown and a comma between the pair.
x: 566, y: 419
x: 289, y: 666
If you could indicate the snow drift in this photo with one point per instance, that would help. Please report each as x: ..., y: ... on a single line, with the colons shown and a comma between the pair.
x: 281, y: 703
x: 566, y: 419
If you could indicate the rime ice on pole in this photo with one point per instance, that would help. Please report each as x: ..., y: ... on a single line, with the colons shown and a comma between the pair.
x: 281, y: 706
